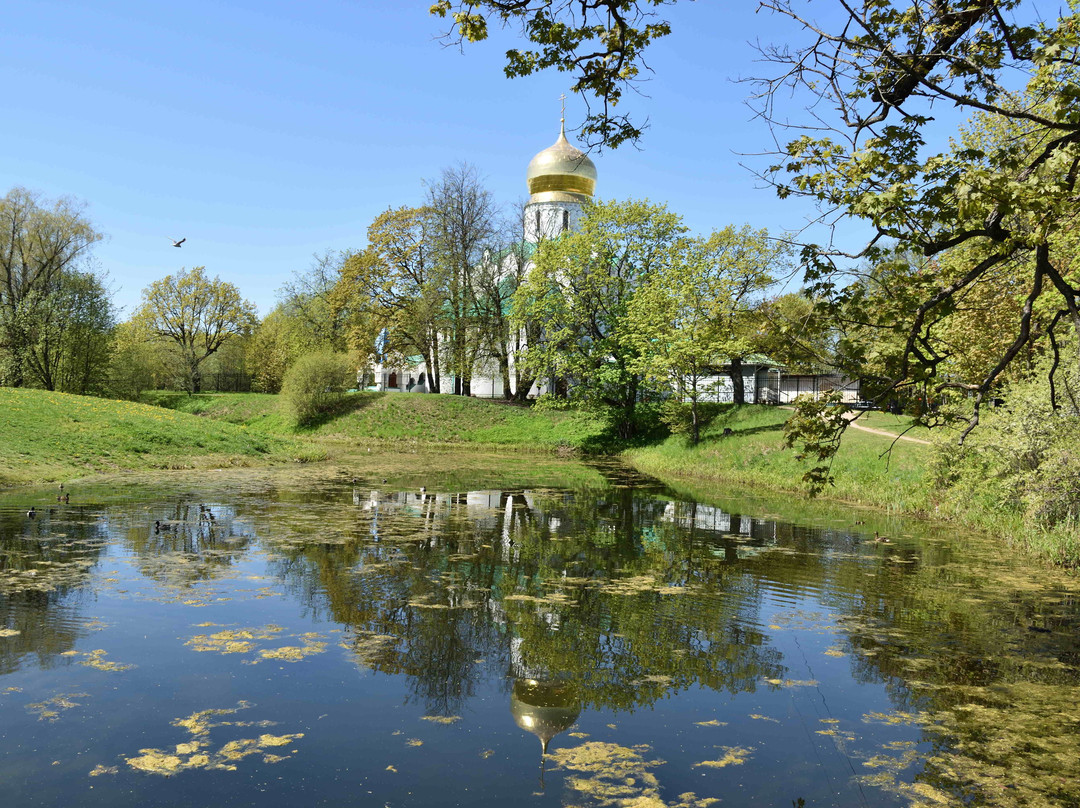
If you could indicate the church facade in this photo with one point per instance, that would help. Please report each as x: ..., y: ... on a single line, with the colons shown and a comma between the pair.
x: 561, y: 180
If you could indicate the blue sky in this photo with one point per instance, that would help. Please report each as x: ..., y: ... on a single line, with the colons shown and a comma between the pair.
x: 264, y: 132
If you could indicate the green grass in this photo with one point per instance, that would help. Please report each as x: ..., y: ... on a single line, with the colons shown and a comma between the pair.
x: 754, y: 454
x: 430, y: 420
x: 54, y: 436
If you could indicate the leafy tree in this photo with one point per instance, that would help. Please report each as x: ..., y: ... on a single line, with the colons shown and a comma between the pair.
x: 463, y: 219
x: 197, y: 314
x: 308, y: 298
x: 689, y: 317
x: 39, y: 243
x: 1003, y: 191
x: 276, y: 343
x: 601, y: 43
x: 68, y: 337
x: 795, y: 330
x: 497, y: 278
x: 140, y: 361
x: 395, y: 288
x: 580, y: 289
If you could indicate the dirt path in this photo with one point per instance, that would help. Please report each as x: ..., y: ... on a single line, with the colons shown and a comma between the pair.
x: 851, y: 416
x: 856, y: 425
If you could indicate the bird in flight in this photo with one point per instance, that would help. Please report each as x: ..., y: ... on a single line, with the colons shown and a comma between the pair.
x: 178, y: 243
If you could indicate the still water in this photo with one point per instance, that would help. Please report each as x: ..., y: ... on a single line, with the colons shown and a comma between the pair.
x: 353, y: 635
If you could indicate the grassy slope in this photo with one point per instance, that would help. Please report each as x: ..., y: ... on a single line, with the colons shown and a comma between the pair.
x: 400, y: 417
x: 54, y: 436
x: 754, y: 455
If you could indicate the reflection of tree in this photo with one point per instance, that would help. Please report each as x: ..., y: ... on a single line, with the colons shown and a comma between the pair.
x: 41, y: 576
x: 190, y: 544
x: 630, y: 595
x: 446, y: 579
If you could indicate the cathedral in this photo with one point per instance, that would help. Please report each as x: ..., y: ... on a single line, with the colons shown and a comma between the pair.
x: 561, y: 179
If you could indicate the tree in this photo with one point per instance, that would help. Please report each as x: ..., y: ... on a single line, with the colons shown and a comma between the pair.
x: 499, y: 275
x: 795, y: 331
x: 601, y: 43
x: 579, y: 290
x: 140, y: 361
x: 308, y: 299
x: 68, y: 336
x: 198, y: 314
x: 1003, y: 191
x: 39, y: 243
x: 394, y: 291
x: 463, y: 218
x: 690, y: 316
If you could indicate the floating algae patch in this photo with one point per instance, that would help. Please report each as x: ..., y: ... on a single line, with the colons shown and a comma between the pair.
x: 441, y: 719
x: 793, y: 682
x: 198, y: 752
x: 248, y: 640
x: 1019, y: 746
x: 49, y: 710
x: 370, y: 649
x: 293, y: 653
x: 897, y: 718
x: 239, y: 641
x: 758, y: 717
x: 712, y: 723
x: 634, y: 585
x: 606, y: 774
x: 96, y: 659
x: 733, y: 756
x: 414, y: 742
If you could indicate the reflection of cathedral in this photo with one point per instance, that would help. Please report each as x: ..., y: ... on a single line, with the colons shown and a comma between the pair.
x: 561, y: 178
x: 545, y: 708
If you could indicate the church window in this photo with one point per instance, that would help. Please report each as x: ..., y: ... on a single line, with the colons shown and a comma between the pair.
x: 565, y: 220
x: 538, y: 224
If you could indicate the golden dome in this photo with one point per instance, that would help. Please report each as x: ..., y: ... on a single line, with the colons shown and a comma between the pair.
x: 561, y: 173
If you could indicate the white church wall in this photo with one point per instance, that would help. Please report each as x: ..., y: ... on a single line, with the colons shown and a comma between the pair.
x: 544, y: 220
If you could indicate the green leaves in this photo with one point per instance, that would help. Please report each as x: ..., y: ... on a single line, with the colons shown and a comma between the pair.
x: 197, y: 313
x: 600, y: 43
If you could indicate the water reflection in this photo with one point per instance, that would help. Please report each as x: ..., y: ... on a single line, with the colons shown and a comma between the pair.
x: 919, y: 669
x: 45, y: 567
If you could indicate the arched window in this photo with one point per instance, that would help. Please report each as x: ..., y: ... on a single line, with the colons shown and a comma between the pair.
x: 538, y: 224
x: 565, y: 220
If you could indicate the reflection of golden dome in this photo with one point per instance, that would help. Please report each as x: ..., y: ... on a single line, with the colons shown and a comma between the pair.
x: 545, y: 708
x: 561, y: 173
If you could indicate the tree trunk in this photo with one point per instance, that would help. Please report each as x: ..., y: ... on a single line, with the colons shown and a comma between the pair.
x: 738, y: 387
x: 627, y: 427
x: 695, y: 429
x: 194, y: 376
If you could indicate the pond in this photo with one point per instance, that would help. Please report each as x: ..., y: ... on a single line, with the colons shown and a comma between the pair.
x: 419, y: 633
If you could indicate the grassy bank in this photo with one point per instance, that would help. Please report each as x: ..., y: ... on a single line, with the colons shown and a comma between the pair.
x: 54, y: 436
x: 398, y: 418
x: 753, y: 454
x: 50, y: 436
x: 866, y: 473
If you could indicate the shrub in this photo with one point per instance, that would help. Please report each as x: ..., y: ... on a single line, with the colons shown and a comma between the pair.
x: 315, y: 385
x: 1023, y: 457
